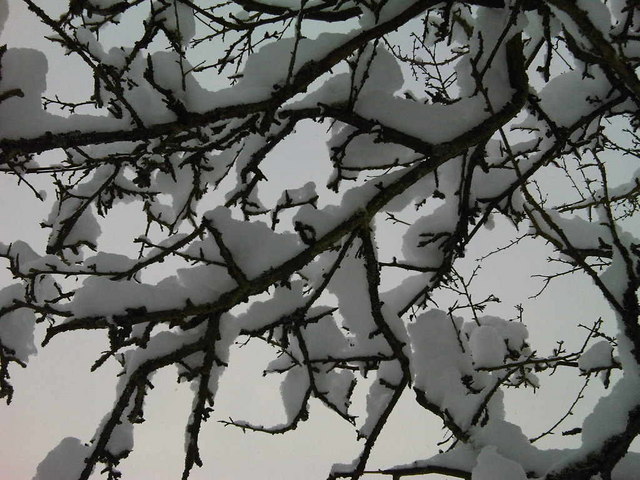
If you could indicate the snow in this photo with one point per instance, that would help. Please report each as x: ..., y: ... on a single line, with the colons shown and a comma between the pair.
x: 88, y: 39
x: 324, y: 338
x: 65, y: 461
x: 350, y: 286
x: 627, y: 468
x: 462, y: 457
x: 487, y: 347
x: 109, y: 262
x: 17, y: 326
x: 380, y: 395
x: 293, y: 390
x: 365, y: 150
x: 241, y: 237
x: 569, y: 96
x: 23, y: 116
x: 159, y: 345
x: 378, y: 72
x: 283, y: 302
x: 178, y: 18
x: 433, y: 123
x: 438, y: 362
x: 298, y: 195
x: 598, y: 13
x: 608, y: 418
x: 101, y: 296
x: 98, y: 295
x: 416, y: 247
x: 336, y: 386
x: 511, y: 442
x: 615, y: 277
x: 121, y: 439
x: 491, y: 338
x: 268, y: 67
x: 491, y: 466
x: 24, y: 69
x: 265, y: 71
x: 599, y: 355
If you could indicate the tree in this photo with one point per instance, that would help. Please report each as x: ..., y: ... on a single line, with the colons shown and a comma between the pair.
x: 444, y: 117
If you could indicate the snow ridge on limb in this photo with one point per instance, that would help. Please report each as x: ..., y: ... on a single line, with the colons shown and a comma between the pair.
x: 373, y: 199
